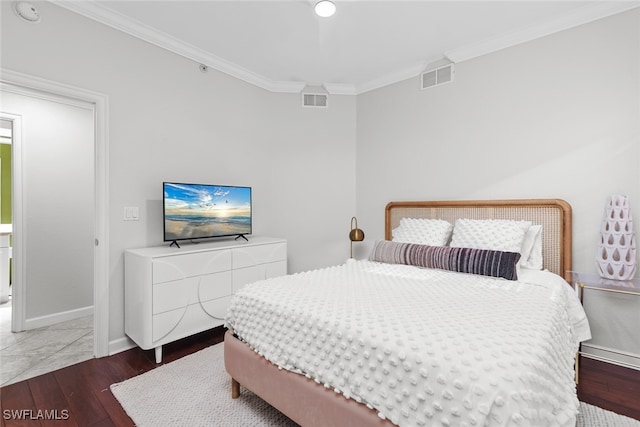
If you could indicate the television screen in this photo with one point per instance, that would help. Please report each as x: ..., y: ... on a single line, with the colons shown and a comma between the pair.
x: 198, y: 211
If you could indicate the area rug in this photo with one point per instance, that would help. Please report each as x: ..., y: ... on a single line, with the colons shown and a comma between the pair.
x: 196, y: 391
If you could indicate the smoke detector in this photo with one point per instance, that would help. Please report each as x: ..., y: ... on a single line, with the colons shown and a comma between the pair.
x: 27, y: 11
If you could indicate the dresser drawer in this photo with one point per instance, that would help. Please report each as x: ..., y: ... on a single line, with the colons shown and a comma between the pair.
x: 252, y: 255
x: 243, y: 276
x: 166, y: 269
x: 180, y: 323
x: 217, y: 308
x: 166, y: 322
x: 171, y: 295
x: 213, y: 286
x: 180, y: 293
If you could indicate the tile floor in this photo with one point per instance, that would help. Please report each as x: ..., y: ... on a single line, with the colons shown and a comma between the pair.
x: 27, y: 354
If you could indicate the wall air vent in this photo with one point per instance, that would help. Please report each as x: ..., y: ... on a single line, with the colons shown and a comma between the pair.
x: 317, y: 100
x: 315, y: 96
x: 437, y: 76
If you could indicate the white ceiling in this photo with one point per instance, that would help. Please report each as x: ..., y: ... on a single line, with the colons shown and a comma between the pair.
x: 283, y: 46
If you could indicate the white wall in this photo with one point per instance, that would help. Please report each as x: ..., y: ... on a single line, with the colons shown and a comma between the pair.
x: 556, y: 117
x: 168, y: 121
x: 58, y: 206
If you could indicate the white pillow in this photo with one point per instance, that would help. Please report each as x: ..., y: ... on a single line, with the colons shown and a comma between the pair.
x: 423, y: 231
x: 532, y: 248
x: 495, y: 234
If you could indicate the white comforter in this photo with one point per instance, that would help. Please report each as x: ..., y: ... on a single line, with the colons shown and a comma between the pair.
x: 424, y: 347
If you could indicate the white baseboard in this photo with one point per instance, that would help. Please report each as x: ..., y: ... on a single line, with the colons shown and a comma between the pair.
x: 55, y: 318
x: 120, y: 345
x: 609, y: 355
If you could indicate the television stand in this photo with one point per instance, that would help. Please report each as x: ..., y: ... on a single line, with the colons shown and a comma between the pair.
x: 175, y: 242
x: 170, y: 295
x: 241, y: 235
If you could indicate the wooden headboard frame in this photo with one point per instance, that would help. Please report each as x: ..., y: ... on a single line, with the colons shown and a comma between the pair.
x: 553, y: 214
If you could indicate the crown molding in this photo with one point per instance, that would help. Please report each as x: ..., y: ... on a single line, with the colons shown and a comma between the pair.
x: 389, y: 79
x: 340, y: 88
x: 135, y: 28
x: 109, y: 17
x: 584, y: 15
x: 400, y: 75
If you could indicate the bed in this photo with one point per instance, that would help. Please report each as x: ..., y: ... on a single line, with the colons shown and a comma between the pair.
x: 442, y: 325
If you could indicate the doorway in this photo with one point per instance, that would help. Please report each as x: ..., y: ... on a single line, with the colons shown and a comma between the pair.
x: 74, y: 98
x: 57, y: 233
x: 5, y: 209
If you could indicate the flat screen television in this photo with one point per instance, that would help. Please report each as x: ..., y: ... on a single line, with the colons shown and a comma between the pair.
x: 200, y: 211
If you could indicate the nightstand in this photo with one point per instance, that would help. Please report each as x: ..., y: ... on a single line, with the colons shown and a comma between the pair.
x: 609, y: 315
x: 584, y: 281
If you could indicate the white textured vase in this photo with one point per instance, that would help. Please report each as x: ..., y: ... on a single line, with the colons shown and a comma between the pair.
x: 616, y: 254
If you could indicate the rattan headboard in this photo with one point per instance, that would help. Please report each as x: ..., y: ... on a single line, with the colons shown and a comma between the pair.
x: 553, y: 214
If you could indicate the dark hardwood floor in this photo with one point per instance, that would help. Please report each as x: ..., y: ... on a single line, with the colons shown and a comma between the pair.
x: 609, y: 386
x: 79, y: 395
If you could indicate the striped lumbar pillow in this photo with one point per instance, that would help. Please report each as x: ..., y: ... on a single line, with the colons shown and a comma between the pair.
x: 464, y: 260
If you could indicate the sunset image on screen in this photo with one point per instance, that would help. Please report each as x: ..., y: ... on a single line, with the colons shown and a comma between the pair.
x: 193, y: 211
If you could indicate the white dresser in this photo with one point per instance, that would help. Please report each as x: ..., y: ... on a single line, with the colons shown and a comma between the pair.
x: 171, y: 293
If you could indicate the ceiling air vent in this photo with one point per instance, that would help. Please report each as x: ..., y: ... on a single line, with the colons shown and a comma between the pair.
x: 437, y: 76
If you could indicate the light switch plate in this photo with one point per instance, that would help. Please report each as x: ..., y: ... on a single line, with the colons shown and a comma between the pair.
x: 131, y: 213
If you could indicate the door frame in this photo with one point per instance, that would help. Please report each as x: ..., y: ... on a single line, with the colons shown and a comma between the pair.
x: 17, y: 300
x: 16, y: 82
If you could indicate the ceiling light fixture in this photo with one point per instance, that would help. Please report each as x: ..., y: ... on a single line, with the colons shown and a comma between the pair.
x: 325, y: 8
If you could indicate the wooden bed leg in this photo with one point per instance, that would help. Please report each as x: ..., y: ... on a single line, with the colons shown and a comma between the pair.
x: 235, y: 389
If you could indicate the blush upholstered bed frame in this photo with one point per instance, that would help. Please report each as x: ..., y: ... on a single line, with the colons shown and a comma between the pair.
x: 312, y: 405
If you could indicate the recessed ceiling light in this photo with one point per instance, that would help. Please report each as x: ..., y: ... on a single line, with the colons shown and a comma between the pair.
x: 325, y: 8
